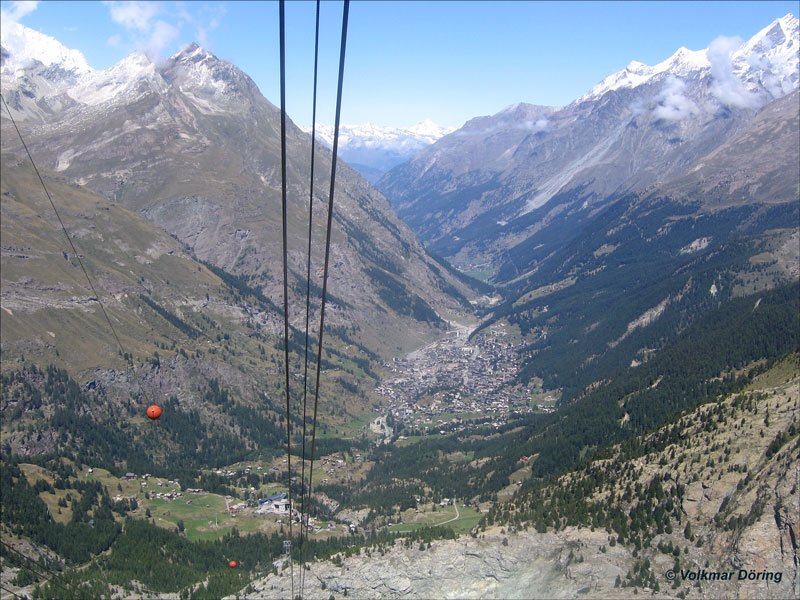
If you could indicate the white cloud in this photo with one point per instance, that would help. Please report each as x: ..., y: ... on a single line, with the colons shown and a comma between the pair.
x: 161, y: 36
x: 9, y: 18
x: 147, y: 34
x: 204, y: 20
x: 20, y: 8
x: 725, y: 86
x: 673, y: 105
x: 133, y: 14
x: 637, y: 107
x: 203, y: 29
x: 153, y: 27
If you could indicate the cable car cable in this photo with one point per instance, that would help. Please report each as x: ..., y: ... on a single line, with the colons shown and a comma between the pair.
x: 282, y: 28
x: 345, y: 13
x: 126, y: 356
x: 308, y: 290
x: 5, y: 589
x: 64, y: 229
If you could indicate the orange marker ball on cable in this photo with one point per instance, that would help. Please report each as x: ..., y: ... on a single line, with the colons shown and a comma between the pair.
x: 233, y: 564
x: 153, y: 412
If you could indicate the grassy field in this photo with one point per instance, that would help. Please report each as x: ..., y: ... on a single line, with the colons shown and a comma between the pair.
x: 467, y: 519
x: 60, y: 514
x: 780, y: 373
x: 483, y: 274
x: 411, y: 439
x: 353, y: 427
x: 204, y: 516
x: 124, y: 487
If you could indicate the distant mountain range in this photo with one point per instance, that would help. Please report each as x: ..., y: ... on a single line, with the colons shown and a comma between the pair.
x: 372, y: 150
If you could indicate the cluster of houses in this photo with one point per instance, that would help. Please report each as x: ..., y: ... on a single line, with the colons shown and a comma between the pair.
x: 120, y: 498
x: 170, y: 495
x: 167, y: 495
x: 334, y: 463
x: 457, y: 378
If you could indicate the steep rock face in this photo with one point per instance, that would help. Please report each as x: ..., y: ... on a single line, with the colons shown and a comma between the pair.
x: 472, y: 195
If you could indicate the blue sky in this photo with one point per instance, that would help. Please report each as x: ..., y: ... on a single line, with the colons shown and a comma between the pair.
x: 408, y: 61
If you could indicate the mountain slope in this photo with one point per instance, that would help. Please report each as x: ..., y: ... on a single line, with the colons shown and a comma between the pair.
x: 166, y: 142
x: 613, y: 224
x: 713, y: 491
x: 194, y: 339
x: 470, y: 195
x: 747, y: 166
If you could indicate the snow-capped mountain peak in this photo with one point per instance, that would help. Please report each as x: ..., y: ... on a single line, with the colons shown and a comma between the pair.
x: 429, y: 130
x: 198, y: 69
x: 215, y: 85
x: 124, y: 76
x: 775, y: 36
x: 23, y: 46
x: 769, y: 60
x: 767, y: 63
x: 683, y: 62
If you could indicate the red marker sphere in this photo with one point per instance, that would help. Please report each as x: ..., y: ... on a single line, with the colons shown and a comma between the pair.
x: 233, y: 564
x: 153, y: 412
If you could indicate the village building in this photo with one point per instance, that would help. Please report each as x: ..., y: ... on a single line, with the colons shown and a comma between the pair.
x: 277, y: 503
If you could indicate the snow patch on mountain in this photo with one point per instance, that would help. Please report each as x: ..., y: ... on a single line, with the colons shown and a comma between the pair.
x: 123, y: 77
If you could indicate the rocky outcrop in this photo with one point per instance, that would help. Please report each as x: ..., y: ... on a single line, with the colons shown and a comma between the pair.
x: 496, y: 565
